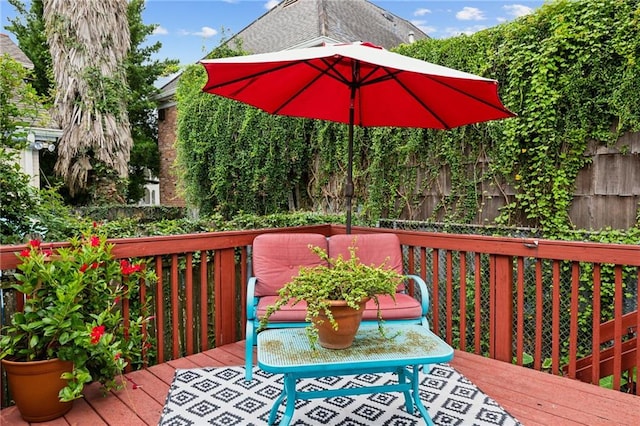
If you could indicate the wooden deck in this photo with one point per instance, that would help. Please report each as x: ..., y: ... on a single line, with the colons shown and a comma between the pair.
x: 533, y: 397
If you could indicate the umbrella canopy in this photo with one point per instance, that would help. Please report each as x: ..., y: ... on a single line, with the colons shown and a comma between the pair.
x: 358, y: 84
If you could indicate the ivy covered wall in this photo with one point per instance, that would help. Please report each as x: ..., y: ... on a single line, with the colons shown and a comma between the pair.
x: 570, y: 71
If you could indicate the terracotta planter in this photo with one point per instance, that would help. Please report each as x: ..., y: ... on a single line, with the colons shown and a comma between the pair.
x: 34, y: 386
x: 348, y: 320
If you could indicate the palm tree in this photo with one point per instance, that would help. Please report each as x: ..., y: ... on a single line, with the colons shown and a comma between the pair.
x: 89, y: 41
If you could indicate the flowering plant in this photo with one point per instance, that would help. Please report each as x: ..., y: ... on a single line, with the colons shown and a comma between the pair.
x: 73, y: 311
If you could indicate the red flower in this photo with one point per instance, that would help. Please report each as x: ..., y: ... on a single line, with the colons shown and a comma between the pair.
x: 127, y: 268
x: 95, y: 241
x: 117, y: 356
x: 96, y: 334
x: 84, y: 267
x: 95, y: 224
x: 25, y: 253
x: 34, y: 243
x: 48, y: 252
x: 94, y: 265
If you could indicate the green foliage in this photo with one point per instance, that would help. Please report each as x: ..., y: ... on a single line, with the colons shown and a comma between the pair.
x: 28, y: 27
x: 569, y: 71
x: 18, y: 106
x: 233, y: 158
x: 348, y: 280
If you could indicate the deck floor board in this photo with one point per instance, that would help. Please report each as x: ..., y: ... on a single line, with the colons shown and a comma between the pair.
x: 533, y: 397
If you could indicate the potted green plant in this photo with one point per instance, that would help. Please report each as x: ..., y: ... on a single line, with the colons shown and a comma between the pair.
x: 334, y: 291
x: 73, y: 314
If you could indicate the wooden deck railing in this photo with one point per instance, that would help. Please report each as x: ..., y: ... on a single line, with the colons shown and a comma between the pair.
x: 545, y: 304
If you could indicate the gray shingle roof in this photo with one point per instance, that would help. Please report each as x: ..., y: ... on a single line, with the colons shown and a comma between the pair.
x: 9, y: 47
x: 296, y: 23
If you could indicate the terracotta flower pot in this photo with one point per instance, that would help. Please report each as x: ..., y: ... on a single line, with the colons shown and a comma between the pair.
x: 348, y: 320
x: 34, y: 386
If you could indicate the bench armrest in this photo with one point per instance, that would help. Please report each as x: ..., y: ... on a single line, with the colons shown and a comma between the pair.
x: 424, y: 293
x: 252, y: 300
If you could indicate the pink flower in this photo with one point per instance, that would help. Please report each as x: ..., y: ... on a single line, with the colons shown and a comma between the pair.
x: 95, y: 241
x: 96, y: 334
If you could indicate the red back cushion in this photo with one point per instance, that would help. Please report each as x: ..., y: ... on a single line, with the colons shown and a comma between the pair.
x: 371, y: 249
x: 278, y: 257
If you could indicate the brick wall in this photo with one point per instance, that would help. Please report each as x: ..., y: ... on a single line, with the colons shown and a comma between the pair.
x: 169, y: 195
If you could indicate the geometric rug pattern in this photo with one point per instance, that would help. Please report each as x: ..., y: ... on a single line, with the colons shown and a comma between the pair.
x: 222, y: 397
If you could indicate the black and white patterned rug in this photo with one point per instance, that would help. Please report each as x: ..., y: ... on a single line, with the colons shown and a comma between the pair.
x: 221, y: 396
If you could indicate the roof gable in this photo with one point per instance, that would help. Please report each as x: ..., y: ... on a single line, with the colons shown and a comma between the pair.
x: 293, y: 23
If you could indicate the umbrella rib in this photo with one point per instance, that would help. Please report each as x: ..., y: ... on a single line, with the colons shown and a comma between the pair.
x: 322, y: 72
x: 475, y: 98
x: 420, y: 101
x: 248, y: 78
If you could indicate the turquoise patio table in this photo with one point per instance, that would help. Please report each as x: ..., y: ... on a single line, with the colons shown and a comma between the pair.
x: 408, y: 347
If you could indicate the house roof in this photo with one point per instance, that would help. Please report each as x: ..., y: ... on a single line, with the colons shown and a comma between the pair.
x: 7, y: 46
x: 305, y: 23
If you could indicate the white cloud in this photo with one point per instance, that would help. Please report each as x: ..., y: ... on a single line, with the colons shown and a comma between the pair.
x: 206, y: 32
x: 160, y: 30
x: 517, y: 10
x: 470, y: 14
x: 271, y: 4
x: 421, y: 12
x: 422, y: 25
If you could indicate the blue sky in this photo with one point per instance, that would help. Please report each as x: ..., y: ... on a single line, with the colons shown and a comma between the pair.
x: 188, y: 29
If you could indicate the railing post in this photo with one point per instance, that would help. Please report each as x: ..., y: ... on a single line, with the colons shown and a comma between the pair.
x: 502, y: 308
x: 225, y: 297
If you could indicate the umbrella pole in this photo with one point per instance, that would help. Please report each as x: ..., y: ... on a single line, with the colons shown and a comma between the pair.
x: 348, y: 190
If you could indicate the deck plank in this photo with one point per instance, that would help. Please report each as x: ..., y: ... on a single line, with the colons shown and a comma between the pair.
x: 141, y: 403
x: 533, y: 397
x: 83, y: 413
x: 151, y: 384
x: 568, y: 399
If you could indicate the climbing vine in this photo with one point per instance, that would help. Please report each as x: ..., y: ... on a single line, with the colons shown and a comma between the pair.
x: 570, y: 71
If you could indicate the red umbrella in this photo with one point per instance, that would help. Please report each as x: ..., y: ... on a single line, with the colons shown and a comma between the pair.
x: 358, y: 84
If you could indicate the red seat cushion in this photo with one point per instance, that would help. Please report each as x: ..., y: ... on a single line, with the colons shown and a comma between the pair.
x: 288, y: 313
x: 278, y: 257
x: 371, y: 249
x: 405, y: 307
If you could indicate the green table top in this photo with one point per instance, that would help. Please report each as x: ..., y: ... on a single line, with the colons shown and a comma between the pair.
x: 288, y: 350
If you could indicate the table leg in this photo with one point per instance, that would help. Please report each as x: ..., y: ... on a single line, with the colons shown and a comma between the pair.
x: 416, y: 397
x: 402, y: 379
x: 290, y: 391
x: 274, y: 409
